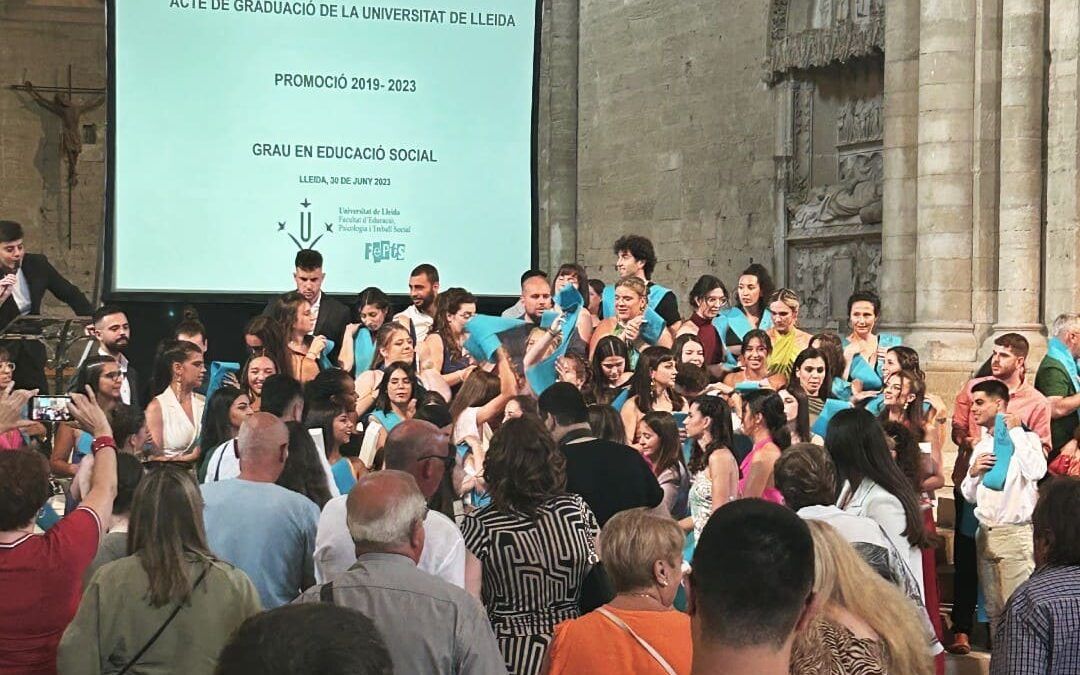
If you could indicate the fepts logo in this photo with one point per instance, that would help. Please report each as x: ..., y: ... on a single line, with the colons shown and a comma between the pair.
x: 306, y: 238
x: 379, y: 251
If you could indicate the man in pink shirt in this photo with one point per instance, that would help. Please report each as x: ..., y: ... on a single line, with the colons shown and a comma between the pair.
x: 1008, y: 364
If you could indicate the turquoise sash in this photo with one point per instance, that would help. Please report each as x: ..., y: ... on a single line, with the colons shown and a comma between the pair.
x: 569, y: 299
x: 477, y: 497
x: 747, y: 385
x: 621, y: 400
x: 994, y: 479
x: 871, y: 376
x: 324, y: 358
x: 1057, y: 350
x: 875, y: 405
x: 484, y: 331
x: 218, y: 371
x: 543, y: 375
x: 656, y: 294
x: 841, y: 389
x: 388, y: 420
x: 363, y: 351
x: 832, y: 406
x: 735, y: 319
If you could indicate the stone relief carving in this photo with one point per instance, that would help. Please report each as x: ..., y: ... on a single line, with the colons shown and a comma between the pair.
x: 856, y: 199
x: 826, y: 274
x: 859, y: 121
x: 802, y: 135
x: 841, y: 40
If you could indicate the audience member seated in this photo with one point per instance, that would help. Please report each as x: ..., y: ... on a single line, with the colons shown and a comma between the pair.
x: 1037, y: 633
x: 531, y: 517
x: 750, y: 590
x: 435, y: 627
x: 171, y: 604
x: 225, y: 413
x: 610, y: 476
x: 315, y: 639
x: 863, y: 624
x: 358, y: 344
x: 638, y: 631
x: 263, y: 528
x: 41, y: 575
x: 305, y: 472
x: 605, y: 423
x: 175, y: 414
x: 1004, y: 496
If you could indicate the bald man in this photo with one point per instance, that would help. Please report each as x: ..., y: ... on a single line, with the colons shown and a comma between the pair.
x: 262, y: 528
x: 423, y: 451
x: 431, y: 626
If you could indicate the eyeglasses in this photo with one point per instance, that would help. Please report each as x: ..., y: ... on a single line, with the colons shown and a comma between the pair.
x: 7, y: 367
x: 116, y: 375
x: 449, y: 461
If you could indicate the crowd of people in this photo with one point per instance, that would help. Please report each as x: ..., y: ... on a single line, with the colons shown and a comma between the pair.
x: 592, y: 482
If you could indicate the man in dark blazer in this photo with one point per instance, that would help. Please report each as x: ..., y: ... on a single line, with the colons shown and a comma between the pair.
x: 24, y: 278
x: 330, y: 315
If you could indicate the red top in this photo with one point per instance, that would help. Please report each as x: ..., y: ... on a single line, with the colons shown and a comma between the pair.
x: 710, y: 340
x: 40, y: 588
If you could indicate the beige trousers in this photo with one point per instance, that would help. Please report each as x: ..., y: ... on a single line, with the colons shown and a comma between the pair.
x: 1006, y: 560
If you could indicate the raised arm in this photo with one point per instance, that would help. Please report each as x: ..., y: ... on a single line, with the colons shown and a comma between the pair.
x: 102, y: 491
x: 507, y: 389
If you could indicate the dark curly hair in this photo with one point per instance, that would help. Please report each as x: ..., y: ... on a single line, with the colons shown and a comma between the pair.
x: 24, y: 487
x: 524, y: 466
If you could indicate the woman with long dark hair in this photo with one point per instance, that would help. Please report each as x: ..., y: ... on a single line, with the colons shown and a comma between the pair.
x: 253, y: 375
x: 393, y: 344
x: 810, y: 374
x: 305, y: 352
x: 651, y: 388
x: 611, y: 366
x: 873, y: 484
x: 104, y: 377
x: 831, y: 348
x: 658, y: 442
x: 263, y: 336
x: 754, y: 359
x: 399, y: 391
x: 714, y: 473
x: 751, y: 307
x: 480, y: 402
x: 530, y: 517
x: 797, y: 411
x: 226, y: 411
x: 170, y: 581
x: 443, y: 350
x: 175, y: 414
x: 764, y: 421
x: 358, y: 344
x: 303, y: 472
x: 337, y: 423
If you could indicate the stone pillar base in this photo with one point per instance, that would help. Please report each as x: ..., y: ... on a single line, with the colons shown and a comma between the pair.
x: 943, y: 342
x: 1036, y: 337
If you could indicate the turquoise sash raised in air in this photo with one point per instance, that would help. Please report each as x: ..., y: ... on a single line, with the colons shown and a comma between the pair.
x: 218, y: 371
x: 484, y: 331
x: 363, y: 351
x: 543, y: 374
x: 832, y: 406
x: 607, y: 303
x: 994, y: 479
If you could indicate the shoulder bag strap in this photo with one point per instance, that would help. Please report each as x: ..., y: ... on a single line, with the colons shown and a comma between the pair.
x: 154, y: 638
x: 641, y: 641
x: 326, y: 593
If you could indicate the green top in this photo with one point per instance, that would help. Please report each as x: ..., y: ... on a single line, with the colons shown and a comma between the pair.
x: 1053, y: 380
x: 115, y: 620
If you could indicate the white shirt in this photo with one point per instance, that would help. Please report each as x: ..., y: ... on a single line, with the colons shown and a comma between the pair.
x: 21, y: 293
x: 1016, y: 502
x: 125, y: 384
x: 315, y: 313
x: 443, y: 555
x: 872, y: 501
x: 421, y: 322
x: 223, y: 463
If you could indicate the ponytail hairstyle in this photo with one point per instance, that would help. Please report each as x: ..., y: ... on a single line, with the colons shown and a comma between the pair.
x: 447, y: 304
x: 770, y: 406
x: 189, y: 323
x: 641, y: 383
x: 376, y: 298
x: 721, y: 434
x: 170, y: 353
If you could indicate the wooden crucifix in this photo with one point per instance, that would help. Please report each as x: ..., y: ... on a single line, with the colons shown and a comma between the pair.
x: 63, y: 106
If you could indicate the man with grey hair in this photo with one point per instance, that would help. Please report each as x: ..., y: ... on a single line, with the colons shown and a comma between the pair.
x: 422, y: 450
x: 1059, y: 381
x: 263, y: 528
x: 431, y: 626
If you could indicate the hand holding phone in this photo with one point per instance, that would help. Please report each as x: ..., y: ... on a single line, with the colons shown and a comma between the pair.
x: 50, y: 409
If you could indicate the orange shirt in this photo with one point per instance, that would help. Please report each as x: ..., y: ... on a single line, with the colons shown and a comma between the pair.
x: 593, y: 644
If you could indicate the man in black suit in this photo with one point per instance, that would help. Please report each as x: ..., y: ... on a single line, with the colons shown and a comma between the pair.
x: 24, y: 278
x: 610, y: 477
x: 330, y: 315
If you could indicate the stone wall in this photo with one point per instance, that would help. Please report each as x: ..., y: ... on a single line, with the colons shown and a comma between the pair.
x: 675, y: 136
x: 39, y: 39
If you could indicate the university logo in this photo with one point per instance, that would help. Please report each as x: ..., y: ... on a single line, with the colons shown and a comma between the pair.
x: 304, y: 237
x: 378, y: 251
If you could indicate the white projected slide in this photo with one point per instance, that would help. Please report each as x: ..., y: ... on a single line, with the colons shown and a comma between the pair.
x: 382, y: 135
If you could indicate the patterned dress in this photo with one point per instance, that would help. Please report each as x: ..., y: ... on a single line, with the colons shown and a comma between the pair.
x: 533, y: 570
x: 828, y: 648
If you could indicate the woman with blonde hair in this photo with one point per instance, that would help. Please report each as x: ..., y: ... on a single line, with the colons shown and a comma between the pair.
x: 631, y: 301
x: 865, y: 624
x: 170, y: 605
x: 643, y: 558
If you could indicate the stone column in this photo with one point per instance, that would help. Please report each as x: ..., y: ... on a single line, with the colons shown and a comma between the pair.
x: 1019, y: 296
x: 901, y: 155
x: 943, y: 329
x: 1062, y: 255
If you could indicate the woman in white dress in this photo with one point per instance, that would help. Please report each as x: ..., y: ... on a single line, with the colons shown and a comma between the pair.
x: 175, y: 414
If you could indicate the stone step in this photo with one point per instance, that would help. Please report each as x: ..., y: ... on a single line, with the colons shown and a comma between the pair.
x: 975, y: 663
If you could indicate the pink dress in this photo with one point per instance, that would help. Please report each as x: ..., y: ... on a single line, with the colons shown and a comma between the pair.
x: 771, y: 494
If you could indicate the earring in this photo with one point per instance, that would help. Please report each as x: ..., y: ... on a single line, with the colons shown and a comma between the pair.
x: 664, y: 584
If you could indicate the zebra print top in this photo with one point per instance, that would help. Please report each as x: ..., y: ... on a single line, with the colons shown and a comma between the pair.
x: 828, y: 648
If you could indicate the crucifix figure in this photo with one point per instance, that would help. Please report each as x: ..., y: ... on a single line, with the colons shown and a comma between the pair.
x: 69, y: 113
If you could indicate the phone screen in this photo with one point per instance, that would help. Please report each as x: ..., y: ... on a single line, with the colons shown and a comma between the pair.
x: 50, y: 409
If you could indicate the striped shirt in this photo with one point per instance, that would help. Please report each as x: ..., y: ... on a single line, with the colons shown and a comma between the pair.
x: 1040, y: 629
